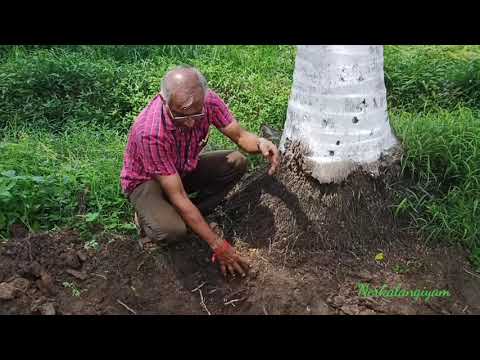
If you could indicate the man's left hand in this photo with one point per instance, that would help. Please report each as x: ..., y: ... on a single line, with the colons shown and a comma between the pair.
x: 270, y: 152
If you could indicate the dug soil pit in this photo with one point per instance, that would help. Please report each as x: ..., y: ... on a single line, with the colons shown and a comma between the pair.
x: 312, y: 248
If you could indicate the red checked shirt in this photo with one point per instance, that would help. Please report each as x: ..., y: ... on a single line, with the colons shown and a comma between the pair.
x: 157, y: 147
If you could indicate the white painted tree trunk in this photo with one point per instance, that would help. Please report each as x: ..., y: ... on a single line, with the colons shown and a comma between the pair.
x: 338, y: 109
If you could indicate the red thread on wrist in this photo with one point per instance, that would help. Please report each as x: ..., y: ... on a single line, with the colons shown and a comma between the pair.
x: 220, y: 250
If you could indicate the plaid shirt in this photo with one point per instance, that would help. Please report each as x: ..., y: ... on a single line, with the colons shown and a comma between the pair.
x: 157, y: 147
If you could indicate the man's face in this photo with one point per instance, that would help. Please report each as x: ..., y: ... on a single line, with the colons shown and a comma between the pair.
x: 186, y: 107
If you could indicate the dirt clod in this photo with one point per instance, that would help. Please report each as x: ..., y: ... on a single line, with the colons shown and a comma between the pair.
x: 350, y: 309
x: 7, y: 291
x: 338, y: 301
x: 47, y: 309
x: 71, y: 260
x: 365, y: 275
x: 82, y: 255
x: 321, y: 308
x: 46, y: 284
x: 21, y: 284
x: 77, y: 274
x: 35, y: 269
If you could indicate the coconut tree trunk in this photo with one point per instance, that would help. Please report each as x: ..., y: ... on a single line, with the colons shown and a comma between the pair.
x: 338, y: 110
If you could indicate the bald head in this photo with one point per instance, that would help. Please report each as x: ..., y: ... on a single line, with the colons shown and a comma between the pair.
x: 183, y: 86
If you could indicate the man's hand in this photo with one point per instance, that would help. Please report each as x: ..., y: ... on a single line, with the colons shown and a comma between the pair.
x: 229, y: 260
x: 270, y: 152
x: 253, y: 144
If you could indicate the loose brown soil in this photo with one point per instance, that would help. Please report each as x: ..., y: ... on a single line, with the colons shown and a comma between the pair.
x: 309, y: 246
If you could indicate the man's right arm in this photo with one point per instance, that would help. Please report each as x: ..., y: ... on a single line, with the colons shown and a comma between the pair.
x: 226, y: 255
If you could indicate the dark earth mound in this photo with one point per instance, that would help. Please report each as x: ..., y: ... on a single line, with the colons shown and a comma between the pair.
x: 310, y: 245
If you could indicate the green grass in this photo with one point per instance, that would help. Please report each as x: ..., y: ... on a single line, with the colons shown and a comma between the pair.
x: 442, y: 156
x: 434, y: 103
x: 68, y: 180
x: 50, y: 88
x: 423, y: 78
x: 65, y: 112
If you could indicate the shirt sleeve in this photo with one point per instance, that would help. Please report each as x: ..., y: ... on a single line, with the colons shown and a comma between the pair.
x: 221, y: 114
x: 157, y: 156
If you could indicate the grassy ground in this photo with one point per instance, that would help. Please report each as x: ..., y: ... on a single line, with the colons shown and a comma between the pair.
x: 65, y: 114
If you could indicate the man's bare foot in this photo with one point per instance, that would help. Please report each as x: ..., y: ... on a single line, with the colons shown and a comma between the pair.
x: 147, y: 244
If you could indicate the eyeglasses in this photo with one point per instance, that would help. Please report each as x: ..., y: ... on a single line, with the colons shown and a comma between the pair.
x: 182, y: 118
x: 186, y: 117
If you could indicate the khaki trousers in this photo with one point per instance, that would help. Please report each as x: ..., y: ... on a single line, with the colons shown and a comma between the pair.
x: 216, y: 174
